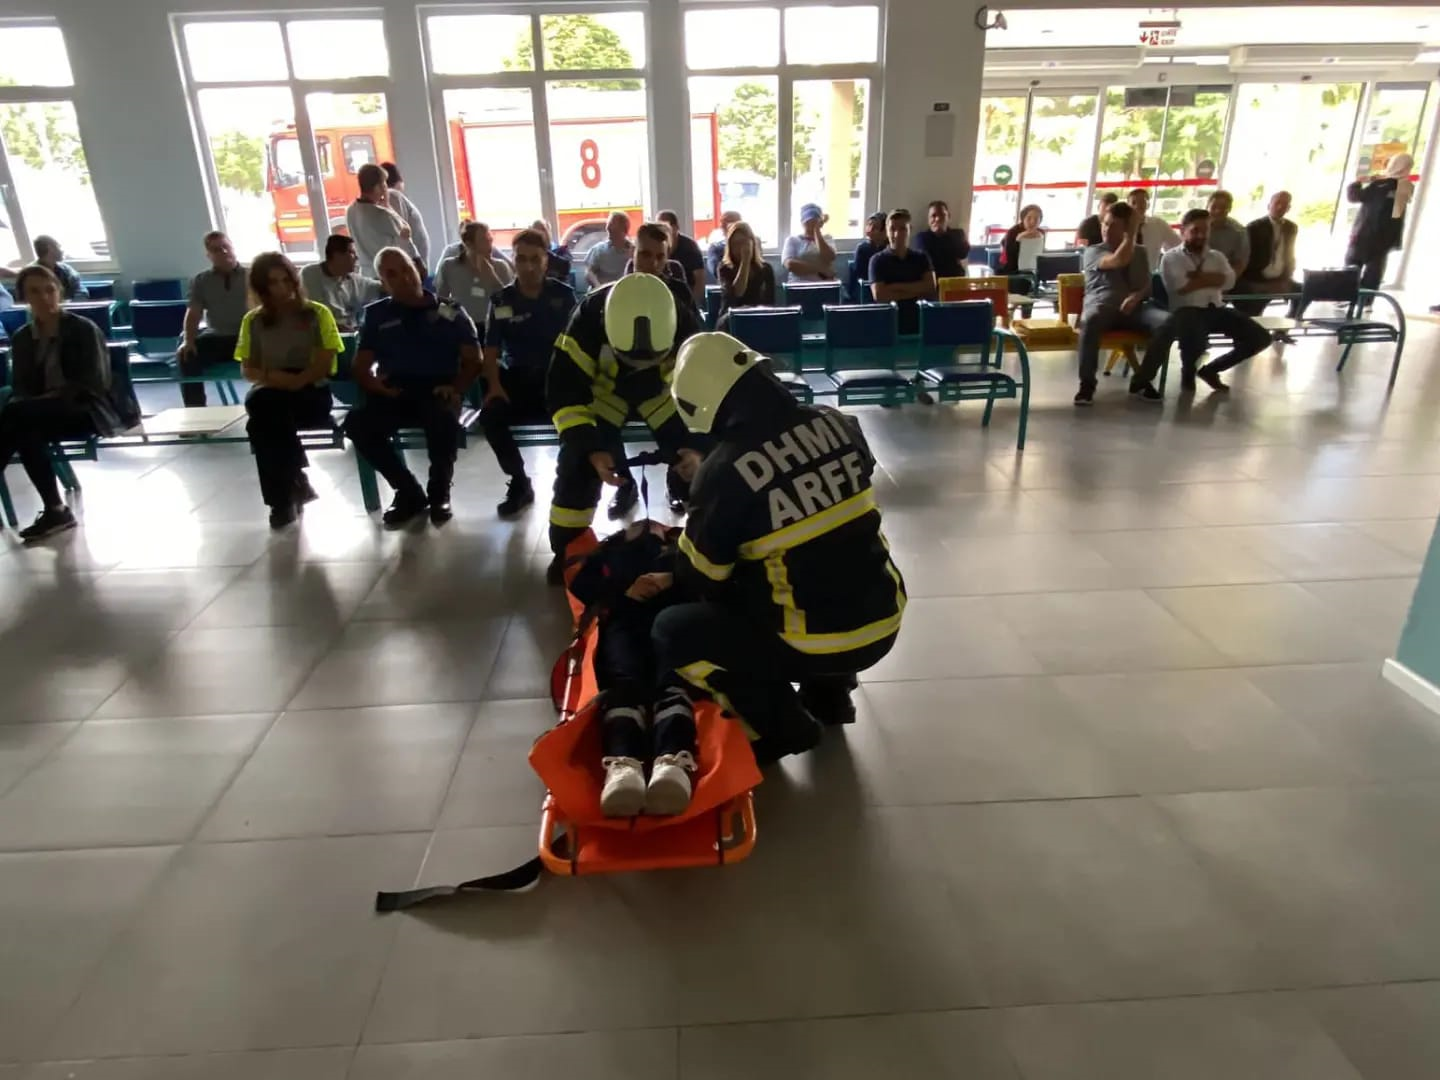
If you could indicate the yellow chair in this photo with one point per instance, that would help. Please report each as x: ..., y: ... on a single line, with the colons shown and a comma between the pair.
x: 1121, y: 343
x: 994, y: 289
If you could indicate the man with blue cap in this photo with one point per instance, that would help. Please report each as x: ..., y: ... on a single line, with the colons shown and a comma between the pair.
x: 810, y: 255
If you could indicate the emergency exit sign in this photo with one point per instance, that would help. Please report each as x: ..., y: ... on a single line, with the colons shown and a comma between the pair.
x: 1159, y: 35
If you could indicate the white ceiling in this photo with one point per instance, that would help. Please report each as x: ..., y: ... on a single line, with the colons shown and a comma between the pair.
x: 1220, y: 28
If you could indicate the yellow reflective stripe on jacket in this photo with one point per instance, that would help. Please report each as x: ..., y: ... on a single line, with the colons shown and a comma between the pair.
x: 613, y: 410
x: 571, y: 348
x: 572, y: 416
x: 714, y: 571
x: 859, y: 638
x: 657, y: 411
x: 816, y: 525
x: 782, y: 593
x: 571, y: 518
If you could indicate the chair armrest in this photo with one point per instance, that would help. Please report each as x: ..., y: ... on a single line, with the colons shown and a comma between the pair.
x: 1394, y: 305
x: 1001, y: 335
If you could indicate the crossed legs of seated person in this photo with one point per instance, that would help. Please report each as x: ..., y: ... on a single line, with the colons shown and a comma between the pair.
x: 750, y: 672
x: 27, y: 428
x: 372, y: 425
x: 1192, y: 327
x: 1146, y: 318
x: 641, y: 724
x: 276, y: 417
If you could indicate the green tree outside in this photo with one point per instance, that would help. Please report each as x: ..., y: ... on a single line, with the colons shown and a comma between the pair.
x: 43, y: 136
x: 576, y: 43
x: 239, y: 161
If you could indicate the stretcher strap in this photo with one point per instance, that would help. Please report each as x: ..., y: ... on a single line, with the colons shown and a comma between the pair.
x: 522, y: 876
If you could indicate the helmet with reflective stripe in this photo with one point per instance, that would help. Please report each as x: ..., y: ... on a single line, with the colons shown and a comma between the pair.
x: 707, y: 369
x: 640, y: 320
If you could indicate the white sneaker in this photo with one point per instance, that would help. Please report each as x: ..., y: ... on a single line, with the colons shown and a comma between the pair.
x: 624, y: 791
x: 669, y: 790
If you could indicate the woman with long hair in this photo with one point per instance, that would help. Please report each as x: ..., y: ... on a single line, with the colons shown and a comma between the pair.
x: 287, y: 350
x: 746, y: 279
x: 1027, y: 228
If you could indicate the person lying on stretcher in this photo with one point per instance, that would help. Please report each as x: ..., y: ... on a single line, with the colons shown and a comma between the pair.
x: 629, y: 579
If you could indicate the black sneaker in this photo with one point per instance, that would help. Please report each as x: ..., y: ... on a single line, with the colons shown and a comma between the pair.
x: 440, y: 509
x: 50, y: 521
x: 304, y: 493
x: 519, y: 494
x: 796, y: 732
x: 1144, y: 391
x: 1085, y: 397
x: 282, y: 516
x: 1208, y: 376
x: 626, y: 496
x: 555, y: 572
x: 678, y: 506
x: 1282, y: 337
x: 404, y: 507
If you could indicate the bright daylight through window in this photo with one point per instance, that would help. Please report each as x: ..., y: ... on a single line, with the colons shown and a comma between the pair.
x: 526, y: 138
x: 44, y: 177
x: 782, y: 140
x: 289, y: 110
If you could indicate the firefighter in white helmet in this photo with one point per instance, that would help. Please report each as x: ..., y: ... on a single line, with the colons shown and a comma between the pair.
x: 614, y: 361
x: 783, y: 541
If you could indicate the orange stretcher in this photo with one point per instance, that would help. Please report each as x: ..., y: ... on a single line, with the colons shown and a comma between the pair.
x: 717, y: 829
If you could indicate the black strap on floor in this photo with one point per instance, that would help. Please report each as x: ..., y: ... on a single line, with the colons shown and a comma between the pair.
x: 522, y: 876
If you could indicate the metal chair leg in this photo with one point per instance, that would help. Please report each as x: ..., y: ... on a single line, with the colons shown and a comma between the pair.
x: 369, y: 490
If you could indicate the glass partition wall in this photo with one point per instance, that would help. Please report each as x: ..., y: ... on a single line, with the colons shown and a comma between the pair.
x: 1060, y: 148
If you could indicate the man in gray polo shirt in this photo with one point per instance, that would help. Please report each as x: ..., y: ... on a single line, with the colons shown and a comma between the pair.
x: 472, y: 277
x: 218, y: 298
x: 338, y: 284
x: 607, y: 259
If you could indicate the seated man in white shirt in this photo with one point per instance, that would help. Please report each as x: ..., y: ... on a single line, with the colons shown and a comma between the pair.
x: 1195, y: 276
x: 1155, y: 235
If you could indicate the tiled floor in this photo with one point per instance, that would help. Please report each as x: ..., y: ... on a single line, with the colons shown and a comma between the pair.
x: 1128, y: 800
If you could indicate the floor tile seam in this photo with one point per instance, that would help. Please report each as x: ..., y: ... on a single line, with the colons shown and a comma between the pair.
x: 5, y: 789
x: 1097, y: 671
x: 879, y: 1014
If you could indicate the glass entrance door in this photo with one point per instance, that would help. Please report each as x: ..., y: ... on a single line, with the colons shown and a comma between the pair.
x: 1059, y: 148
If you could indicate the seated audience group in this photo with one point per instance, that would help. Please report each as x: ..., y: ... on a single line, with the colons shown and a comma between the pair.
x: 489, y: 318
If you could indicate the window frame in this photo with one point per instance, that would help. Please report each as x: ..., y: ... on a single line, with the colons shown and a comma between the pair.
x: 9, y: 193
x: 788, y: 75
x: 536, y: 81
x: 299, y: 90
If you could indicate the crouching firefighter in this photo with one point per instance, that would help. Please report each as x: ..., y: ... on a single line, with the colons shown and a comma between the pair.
x: 783, y: 542
x: 615, y: 359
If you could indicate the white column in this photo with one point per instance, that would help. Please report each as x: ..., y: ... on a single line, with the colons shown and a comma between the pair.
x: 932, y: 57
x: 669, y: 106
x: 411, y: 131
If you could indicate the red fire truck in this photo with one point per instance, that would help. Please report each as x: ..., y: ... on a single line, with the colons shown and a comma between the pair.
x: 600, y: 164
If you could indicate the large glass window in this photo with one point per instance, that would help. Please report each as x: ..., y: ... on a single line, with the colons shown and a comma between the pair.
x: 1190, y: 156
x: 529, y: 140
x: 44, y: 177
x: 1295, y: 137
x: 293, y: 140
x: 798, y: 131
x: 999, y: 145
x: 1058, y: 151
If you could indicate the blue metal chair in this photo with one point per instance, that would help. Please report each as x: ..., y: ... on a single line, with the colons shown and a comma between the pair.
x: 813, y: 296
x: 12, y: 319
x: 862, y: 357
x: 158, y: 289
x: 980, y: 254
x: 99, y: 288
x: 713, y: 297
x: 97, y: 311
x: 950, y: 331
x: 777, y: 333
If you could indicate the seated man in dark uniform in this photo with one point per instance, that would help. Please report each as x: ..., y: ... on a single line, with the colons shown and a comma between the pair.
x: 526, y: 317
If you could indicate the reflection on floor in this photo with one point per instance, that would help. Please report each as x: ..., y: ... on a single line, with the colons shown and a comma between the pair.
x: 1127, y: 801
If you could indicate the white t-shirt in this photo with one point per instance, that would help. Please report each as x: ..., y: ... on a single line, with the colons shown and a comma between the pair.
x: 1157, y: 237
x: 808, y: 251
x: 1175, y: 270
